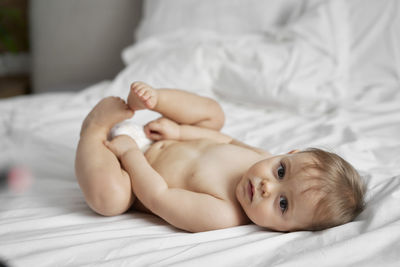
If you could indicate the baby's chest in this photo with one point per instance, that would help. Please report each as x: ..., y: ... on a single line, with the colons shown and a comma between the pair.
x: 203, y: 166
x: 216, y: 172
x: 193, y: 170
x: 213, y: 181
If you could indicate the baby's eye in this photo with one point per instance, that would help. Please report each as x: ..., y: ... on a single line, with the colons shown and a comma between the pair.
x: 283, y: 203
x: 281, y: 171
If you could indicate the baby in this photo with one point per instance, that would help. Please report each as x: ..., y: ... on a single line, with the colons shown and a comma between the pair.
x: 198, y: 179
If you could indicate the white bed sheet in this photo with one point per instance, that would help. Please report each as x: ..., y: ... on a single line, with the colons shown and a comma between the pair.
x: 50, y: 224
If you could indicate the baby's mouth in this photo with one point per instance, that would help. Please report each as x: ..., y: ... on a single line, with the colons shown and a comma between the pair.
x: 250, y: 189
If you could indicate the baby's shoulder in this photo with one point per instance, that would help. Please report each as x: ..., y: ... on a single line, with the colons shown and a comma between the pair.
x: 257, y: 150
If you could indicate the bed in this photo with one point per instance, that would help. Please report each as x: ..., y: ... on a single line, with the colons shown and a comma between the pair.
x: 289, y: 74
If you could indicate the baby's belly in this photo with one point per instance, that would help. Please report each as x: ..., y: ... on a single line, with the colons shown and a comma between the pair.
x: 157, y: 148
x: 174, y: 160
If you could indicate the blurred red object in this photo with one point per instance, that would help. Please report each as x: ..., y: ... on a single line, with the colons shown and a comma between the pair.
x: 19, y: 179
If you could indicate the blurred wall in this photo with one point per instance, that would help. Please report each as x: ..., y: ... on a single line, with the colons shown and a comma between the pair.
x: 76, y: 43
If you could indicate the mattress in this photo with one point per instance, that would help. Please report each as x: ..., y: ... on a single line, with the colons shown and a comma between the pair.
x: 343, y: 96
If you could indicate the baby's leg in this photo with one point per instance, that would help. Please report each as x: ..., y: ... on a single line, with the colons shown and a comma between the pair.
x: 180, y: 106
x: 106, y: 187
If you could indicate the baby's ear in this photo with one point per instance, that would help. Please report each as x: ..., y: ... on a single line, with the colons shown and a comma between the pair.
x: 293, y: 151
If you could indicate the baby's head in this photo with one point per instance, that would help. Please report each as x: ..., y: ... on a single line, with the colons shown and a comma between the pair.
x: 302, y: 190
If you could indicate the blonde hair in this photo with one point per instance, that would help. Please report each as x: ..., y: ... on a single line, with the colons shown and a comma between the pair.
x: 342, y: 188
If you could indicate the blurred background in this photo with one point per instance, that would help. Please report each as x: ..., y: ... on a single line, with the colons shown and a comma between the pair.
x: 58, y: 45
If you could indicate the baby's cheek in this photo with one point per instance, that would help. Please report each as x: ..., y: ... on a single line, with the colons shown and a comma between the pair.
x: 261, y: 216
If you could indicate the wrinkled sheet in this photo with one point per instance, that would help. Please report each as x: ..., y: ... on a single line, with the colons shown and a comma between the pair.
x: 50, y: 224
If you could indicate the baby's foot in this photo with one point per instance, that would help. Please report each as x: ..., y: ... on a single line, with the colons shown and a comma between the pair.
x: 108, y: 112
x: 142, y: 96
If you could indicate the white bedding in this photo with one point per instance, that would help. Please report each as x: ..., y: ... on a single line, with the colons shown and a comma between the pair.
x: 355, y: 93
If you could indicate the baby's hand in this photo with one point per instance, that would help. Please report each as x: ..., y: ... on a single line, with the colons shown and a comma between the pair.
x: 161, y: 129
x: 121, y: 144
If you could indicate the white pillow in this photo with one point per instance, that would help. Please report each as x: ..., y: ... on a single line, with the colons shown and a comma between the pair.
x: 225, y: 16
x: 303, y: 67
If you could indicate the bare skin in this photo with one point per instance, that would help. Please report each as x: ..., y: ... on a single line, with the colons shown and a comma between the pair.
x: 193, y: 176
x: 105, y: 185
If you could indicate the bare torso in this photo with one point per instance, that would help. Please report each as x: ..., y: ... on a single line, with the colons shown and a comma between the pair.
x: 202, y: 166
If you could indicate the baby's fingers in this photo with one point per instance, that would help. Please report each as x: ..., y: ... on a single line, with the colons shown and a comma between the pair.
x: 152, y: 134
x: 154, y: 130
x: 117, y: 143
x: 155, y: 136
x: 110, y: 146
x: 154, y: 126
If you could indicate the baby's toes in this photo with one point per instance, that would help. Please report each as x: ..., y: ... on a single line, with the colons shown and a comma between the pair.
x: 140, y: 91
x: 136, y: 85
x: 146, y: 95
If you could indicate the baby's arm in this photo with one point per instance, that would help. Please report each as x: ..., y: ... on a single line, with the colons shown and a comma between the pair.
x: 164, y: 128
x: 187, y: 210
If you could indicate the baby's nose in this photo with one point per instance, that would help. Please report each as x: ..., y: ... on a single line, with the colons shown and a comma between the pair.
x: 269, y: 187
x: 264, y: 188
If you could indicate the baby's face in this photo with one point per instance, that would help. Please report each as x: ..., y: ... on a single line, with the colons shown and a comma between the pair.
x: 273, y: 192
